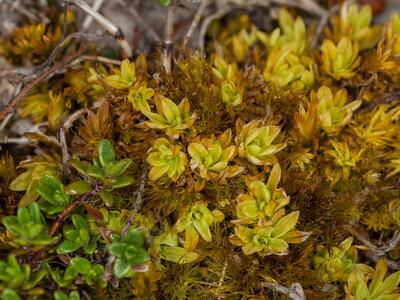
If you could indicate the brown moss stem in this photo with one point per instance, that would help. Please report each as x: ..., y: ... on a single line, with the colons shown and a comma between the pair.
x: 138, y: 204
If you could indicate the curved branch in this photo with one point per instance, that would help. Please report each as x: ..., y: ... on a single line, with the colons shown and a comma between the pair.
x: 35, y: 82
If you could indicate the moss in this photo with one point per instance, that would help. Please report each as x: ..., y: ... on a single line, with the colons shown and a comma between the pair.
x: 316, y: 128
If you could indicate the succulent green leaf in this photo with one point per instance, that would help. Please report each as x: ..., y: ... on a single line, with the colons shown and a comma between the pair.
x: 9, y: 294
x: 67, y: 246
x: 178, y: 255
x: 117, y: 249
x: 122, y: 181
x: 96, y: 172
x: 122, y: 269
x: 119, y: 167
x: 286, y: 224
x: 106, y: 153
x: 79, y: 187
x: 81, y: 265
x: 52, y: 190
x: 165, y: 2
x: 59, y: 295
x: 387, y: 286
x: 107, y: 197
x: 79, y: 221
x: 203, y: 228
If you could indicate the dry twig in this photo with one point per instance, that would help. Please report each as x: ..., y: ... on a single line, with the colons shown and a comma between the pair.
x: 378, y: 251
x: 138, y: 204
x: 195, y: 22
x: 97, y: 58
x: 76, y: 115
x: 108, y: 272
x: 394, y: 265
x: 61, y: 217
x: 18, y: 6
x: 387, y: 99
x: 224, y: 10
x: 34, y: 71
x: 64, y: 150
x: 309, y: 6
x: 70, y: 208
x: 89, y: 19
x: 113, y: 29
x: 35, y: 82
x: 168, y: 41
x: 295, y: 292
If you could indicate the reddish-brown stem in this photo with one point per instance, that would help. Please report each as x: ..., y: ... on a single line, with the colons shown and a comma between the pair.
x: 35, y: 82
x: 36, y: 256
x: 69, y: 209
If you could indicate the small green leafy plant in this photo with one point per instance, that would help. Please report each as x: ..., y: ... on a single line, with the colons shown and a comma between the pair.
x: 15, y: 277
x: 28, y: 226
x: 77, y: 236
x: 360, y: 287
x: 130, y: 253
x: 79, y: 267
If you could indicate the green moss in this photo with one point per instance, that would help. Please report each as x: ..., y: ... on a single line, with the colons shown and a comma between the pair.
x: 237, y: 168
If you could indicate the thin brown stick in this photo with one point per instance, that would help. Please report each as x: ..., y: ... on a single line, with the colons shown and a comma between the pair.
x: 77, y: 114
x: 387, y: 99
x: 64, y: 148
x: 29, y: 71
x: 36, y: 256
x: 353, y: 231
x: 72, y: 118
x: 108, y: 272
x: 35, y: 82
x: 195, y: 22
x: 7, y: 119
x: 309, y: 6
x: 379, y: 251
x: 206, y: 23
x: 168, y: 41
x: 138, y: 204
x: 97, y: 58
x: 392, y: 243
x: 52, y: 56
x: 70, y: 209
